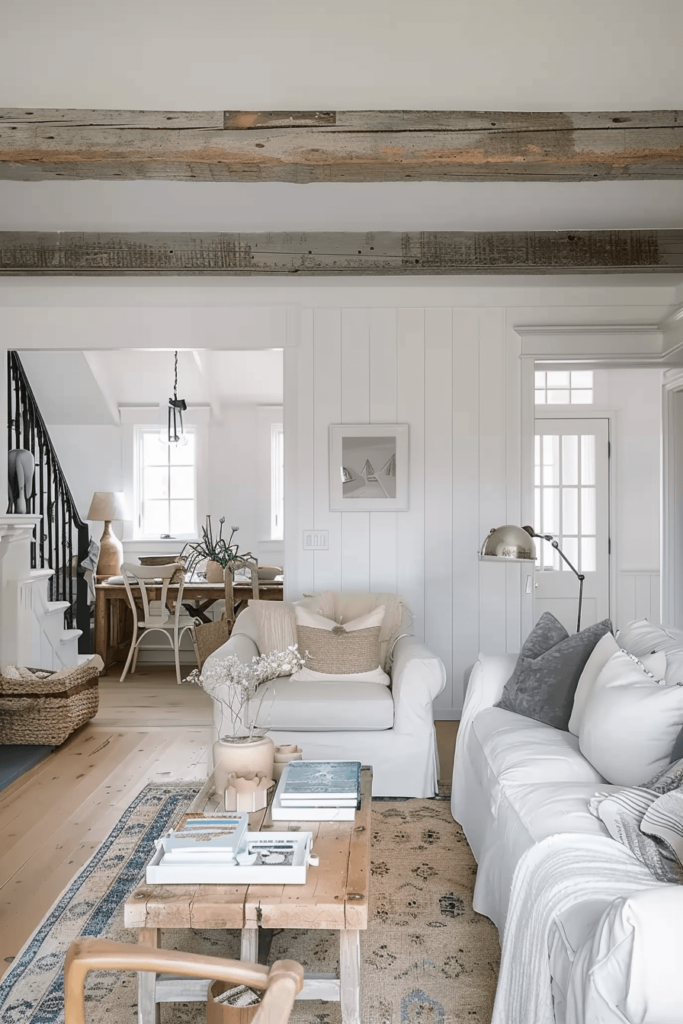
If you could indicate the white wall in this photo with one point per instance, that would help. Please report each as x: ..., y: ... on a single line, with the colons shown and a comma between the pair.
x: 453, y: 376
x: 635, y: 396
x: 237, y: 485
x: 239, y: 477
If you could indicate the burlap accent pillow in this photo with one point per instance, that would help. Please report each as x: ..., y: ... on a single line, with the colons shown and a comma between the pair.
x: 339, y: 650
x: 346, y: 606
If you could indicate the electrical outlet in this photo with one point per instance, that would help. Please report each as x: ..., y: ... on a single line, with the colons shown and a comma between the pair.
x: 316, y: 540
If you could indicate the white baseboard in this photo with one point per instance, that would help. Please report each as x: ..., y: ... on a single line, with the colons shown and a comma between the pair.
x: 452, y: 715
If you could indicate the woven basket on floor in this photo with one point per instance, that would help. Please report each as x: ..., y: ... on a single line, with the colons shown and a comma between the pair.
x: 41, y: 707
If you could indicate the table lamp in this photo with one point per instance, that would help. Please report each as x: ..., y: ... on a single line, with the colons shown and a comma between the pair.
x: 105, y: 507
x: 515, y: 544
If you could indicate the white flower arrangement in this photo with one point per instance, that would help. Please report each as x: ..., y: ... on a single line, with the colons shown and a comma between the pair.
x: 235, y: 683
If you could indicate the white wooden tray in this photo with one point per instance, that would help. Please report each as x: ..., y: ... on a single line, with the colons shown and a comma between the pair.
x: 271, y: 858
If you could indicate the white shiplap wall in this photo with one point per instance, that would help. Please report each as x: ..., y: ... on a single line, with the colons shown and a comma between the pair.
x: 453, y: 376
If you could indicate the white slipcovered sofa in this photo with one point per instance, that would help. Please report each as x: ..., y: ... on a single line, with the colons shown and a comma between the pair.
x: 612, y: 954
x: 388, y: 727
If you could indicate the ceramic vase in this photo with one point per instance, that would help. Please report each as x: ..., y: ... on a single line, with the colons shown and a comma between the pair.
x: 214, y: 571
x: 229, y: 756
x: 282, y: 756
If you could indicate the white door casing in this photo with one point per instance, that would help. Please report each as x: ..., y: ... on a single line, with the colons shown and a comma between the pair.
x: 571, y: 502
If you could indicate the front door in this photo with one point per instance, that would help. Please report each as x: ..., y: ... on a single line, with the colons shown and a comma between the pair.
x: 572, y: 503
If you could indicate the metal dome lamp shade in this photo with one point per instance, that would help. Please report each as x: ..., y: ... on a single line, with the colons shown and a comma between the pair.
x: 515, y: 544
x: 510, y: 543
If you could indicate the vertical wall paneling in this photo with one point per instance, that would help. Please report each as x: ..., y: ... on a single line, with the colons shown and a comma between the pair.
x: 466, y: 529
x: 438, y: 482
x: 383, y: 410
x: 327, y: 409
x: 638, y: 597
x: 453, y: 375
x: 492, y: 474
x: 298, y: 428
x: 410, y: 568
x: 355, y: 408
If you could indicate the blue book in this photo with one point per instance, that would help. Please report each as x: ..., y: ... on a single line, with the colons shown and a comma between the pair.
x: 326, y: 781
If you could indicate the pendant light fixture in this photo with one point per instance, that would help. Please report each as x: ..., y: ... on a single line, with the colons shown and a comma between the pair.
x: 176, y: 408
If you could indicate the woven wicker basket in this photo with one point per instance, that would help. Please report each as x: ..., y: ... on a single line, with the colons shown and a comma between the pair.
x: 43, y: 707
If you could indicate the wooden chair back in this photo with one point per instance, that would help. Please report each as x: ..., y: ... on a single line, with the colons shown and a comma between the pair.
x: 139, y: 575
x: 280, y: 983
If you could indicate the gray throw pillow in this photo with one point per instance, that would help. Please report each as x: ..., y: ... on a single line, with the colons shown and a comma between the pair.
x: 542, y: 687
x: 677, y: 752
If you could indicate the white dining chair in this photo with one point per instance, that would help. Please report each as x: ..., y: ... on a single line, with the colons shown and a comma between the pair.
x: 156, y: 615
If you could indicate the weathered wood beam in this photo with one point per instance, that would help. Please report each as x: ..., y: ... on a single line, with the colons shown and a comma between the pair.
x: 308, y: 146
x: 342, y: 254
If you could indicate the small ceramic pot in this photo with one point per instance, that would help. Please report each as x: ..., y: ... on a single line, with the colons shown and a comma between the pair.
x: 282, y: 756
x: 214, y: 572
x: 241, y: 758
x: 219, y: 1013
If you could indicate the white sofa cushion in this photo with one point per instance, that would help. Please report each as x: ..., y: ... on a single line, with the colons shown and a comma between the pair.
x: 601, y: 654
x: 630, y: 722
x: 519, y: 749
x: 326, y: 707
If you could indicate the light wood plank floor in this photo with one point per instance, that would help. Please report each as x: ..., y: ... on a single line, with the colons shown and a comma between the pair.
x: 54, y: 817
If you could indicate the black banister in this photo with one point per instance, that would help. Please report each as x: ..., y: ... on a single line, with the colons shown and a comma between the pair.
x: 53, y: 544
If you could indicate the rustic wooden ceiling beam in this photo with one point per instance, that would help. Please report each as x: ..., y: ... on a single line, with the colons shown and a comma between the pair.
x: 342, y: 254
x: 351, y: 146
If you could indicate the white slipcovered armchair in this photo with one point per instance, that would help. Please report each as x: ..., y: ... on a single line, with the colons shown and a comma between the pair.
x: 388, y: 727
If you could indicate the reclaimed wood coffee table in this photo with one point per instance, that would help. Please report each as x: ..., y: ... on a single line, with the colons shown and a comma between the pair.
x: 335, y: 897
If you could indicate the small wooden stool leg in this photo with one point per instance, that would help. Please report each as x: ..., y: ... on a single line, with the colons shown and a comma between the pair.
x: 149, y: 1011
x: 349, y: 975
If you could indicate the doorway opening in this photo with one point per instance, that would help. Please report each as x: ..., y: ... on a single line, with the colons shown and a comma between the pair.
x: 597, y: 484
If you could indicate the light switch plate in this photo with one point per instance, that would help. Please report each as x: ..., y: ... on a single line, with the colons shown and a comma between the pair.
x: 316, y: 540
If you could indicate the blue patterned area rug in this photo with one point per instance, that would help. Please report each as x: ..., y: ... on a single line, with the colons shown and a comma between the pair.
x: 427, y: 957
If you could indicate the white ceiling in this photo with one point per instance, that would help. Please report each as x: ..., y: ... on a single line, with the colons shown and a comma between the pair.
x: 387, y: 54
x: 89, y: 387
x: 307, y: 54
x: 391, y: 206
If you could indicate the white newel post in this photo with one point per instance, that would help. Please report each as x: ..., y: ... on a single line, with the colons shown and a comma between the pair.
x: 16, y: 611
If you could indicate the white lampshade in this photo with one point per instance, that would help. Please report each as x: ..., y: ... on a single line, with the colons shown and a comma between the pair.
x: 107, y: 505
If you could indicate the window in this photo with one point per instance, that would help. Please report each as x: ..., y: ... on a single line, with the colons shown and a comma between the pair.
x: 277, y: 486
x: 166, y: 486
x: 565, y: 499
x: 563, y: 387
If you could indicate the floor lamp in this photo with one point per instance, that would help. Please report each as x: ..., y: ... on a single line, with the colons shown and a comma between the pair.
x: 515, y: 544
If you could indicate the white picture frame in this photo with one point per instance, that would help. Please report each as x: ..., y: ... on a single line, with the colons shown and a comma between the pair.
x: 369, y: 467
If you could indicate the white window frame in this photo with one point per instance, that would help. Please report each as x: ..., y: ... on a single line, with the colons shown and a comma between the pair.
x: 577, y: 393
x: 140, y: 431
x: 277, y: 481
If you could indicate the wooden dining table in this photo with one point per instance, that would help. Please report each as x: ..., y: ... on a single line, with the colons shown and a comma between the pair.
x: 114, y: 618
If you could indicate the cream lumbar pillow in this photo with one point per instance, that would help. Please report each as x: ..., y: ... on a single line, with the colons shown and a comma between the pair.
x: 630, y: 722
x: 332, y: 650
x: 605, y: 648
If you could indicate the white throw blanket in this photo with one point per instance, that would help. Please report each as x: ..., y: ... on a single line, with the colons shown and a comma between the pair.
x: 552, y: 876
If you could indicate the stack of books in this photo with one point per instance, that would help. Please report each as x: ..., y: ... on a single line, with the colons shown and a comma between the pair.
x: 318, y: 791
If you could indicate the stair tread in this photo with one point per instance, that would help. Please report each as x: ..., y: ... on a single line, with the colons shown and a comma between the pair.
x: 70, y: 634
x: 56, y: 606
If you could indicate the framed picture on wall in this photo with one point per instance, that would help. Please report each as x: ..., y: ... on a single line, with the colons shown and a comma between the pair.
x: 368, y: 467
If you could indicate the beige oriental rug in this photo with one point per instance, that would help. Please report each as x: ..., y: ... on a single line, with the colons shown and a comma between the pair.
x: 427, y: 958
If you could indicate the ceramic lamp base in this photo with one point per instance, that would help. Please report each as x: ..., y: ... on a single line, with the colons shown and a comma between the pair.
x: 111, y: 553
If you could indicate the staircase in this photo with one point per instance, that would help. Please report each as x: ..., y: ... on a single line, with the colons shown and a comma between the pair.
x: 52, y: 591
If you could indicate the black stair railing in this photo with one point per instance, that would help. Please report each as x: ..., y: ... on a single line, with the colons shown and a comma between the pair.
x: 61, y: 540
